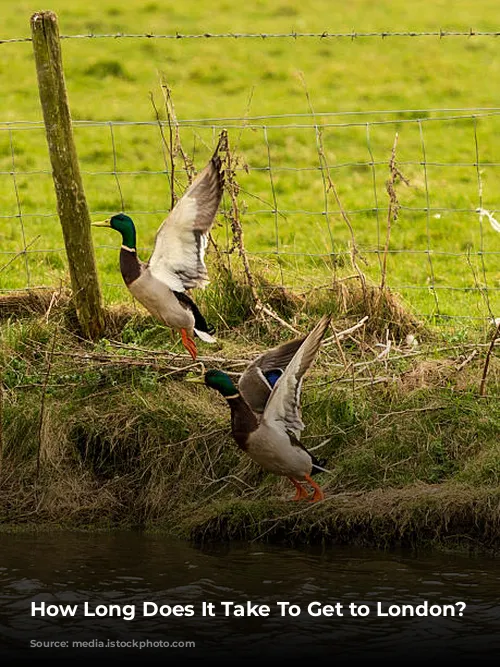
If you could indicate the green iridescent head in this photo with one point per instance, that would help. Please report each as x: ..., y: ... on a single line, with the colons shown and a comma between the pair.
x: 123, y: 224
x: 222, y: 382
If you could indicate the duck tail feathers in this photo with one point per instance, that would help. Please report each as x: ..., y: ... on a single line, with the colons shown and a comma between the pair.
x: 318, y: 466
x: 201, y: 328
x: 205, y: 336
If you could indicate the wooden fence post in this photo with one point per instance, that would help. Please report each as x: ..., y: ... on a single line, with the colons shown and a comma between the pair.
x: 1, y: 424
x: 71, y: 203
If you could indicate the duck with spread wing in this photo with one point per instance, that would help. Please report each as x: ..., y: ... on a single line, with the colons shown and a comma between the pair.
x: 177, y: 261
x: 266, y: 418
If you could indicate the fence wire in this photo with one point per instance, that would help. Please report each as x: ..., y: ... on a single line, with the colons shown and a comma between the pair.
x: 443, y: 255
x: 352, y: 35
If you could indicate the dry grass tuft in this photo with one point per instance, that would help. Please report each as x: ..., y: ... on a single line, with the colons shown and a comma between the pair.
x: 32, y: 302
x: 384, y: 308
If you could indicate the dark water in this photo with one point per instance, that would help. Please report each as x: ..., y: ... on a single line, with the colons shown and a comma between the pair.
x: 131, y: 569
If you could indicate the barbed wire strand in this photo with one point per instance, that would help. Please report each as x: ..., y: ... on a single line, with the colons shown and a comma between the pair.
x: 325, y: 35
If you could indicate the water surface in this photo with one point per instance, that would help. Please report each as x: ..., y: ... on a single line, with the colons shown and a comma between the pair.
x: 123, y: 571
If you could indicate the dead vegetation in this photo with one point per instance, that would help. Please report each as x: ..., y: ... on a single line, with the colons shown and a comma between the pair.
x: 121, y: 440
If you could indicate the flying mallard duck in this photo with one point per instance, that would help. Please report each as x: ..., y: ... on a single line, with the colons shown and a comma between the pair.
x: 177, y: 261
x: 265, y: 409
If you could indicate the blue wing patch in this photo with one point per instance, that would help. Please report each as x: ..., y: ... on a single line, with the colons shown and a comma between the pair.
x: 273, y: 376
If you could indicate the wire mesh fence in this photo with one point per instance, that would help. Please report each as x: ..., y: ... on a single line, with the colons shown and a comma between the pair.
x: 313, y: 190
x: 443, y: 255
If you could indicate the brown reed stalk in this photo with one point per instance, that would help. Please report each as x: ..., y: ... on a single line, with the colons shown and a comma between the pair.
x: 395, y: 175
x: 496, y: 335
x: 238, y: 243
x: 42, y: 401
x: 175, y: 135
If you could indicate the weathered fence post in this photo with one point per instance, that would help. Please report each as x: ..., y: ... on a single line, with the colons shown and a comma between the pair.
x: 71, y: 203
x: 1, y: 424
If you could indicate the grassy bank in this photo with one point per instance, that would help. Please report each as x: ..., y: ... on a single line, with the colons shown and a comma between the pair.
x: 109, y: 435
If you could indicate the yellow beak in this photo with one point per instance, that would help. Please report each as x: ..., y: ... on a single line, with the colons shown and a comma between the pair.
x: 102, y: 223
x: 199, y: 379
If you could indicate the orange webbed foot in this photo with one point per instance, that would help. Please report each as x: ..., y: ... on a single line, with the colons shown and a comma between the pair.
x: 318, y: 493
x: 301, y: 492
x: 189, y: 344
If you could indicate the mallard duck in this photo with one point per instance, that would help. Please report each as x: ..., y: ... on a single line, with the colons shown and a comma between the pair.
x: 177, y: 261
x: 265, y: 409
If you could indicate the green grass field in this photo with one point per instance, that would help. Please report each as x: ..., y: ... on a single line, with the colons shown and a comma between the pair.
x: 450, y: 157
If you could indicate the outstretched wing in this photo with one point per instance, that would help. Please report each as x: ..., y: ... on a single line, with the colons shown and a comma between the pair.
x: 179, y: 251
x: 259, y: 378
x: 283, y: 405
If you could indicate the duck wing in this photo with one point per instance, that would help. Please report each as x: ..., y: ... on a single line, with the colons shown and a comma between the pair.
x: 259, y: 378
x: 179, y: 251
x: 283, y: 405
